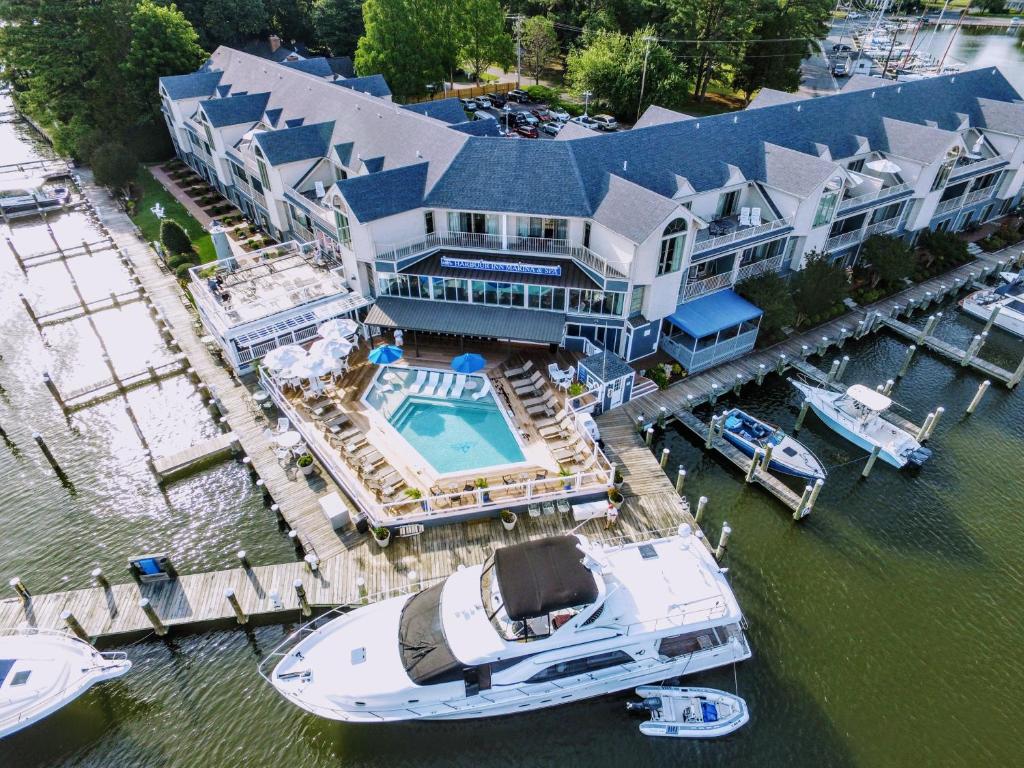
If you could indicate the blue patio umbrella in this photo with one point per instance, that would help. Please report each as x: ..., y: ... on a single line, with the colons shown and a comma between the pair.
x: 468, y: 363
x: 384, y: 355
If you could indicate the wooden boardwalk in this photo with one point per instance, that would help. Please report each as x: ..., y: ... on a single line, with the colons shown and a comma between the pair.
x: 194, y: 457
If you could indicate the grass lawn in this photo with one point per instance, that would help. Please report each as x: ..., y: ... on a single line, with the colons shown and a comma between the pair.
x: 153, y: 193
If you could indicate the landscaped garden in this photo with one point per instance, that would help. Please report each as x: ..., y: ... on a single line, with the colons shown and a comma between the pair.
x: 146, y: 193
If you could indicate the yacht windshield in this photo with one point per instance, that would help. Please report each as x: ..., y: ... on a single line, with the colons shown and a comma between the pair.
x: 427, y: 657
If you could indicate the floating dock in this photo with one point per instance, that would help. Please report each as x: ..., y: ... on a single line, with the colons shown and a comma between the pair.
x: 195, y: 457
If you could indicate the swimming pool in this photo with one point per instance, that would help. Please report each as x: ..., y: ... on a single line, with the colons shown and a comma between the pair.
x: 457, y: 435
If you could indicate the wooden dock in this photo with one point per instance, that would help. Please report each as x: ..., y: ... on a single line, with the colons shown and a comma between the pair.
x: 194, y: 457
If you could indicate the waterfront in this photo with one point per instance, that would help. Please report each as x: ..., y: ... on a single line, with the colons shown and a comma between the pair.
x: 883, y: 626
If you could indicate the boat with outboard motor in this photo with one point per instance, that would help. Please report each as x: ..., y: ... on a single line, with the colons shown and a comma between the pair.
x: 788, y: 456
x: 689, y: 713
x: 539, y: 624
x: 1008, y: 298
x: 42, y: 670
x: 856, y: 414
x: 31, y: 199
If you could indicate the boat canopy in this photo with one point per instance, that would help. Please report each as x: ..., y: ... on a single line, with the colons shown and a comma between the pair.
x: 541, y: 576
x: 868, y: 397
x: 710, y: 314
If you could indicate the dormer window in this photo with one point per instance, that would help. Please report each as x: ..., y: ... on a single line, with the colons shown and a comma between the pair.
x: 673, y: 241
x: 828, y: 202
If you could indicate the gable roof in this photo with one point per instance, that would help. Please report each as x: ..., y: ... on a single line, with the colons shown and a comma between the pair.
x: 447, y: 110
x: 191, y: 86
x: 1002, y: 116
x: 769, y: 97
x: 319, y: 66
x: 374, y: 85
x: 235, y: 110
x: 342, y: 65
x: 794, y: 172
x: 478, y: 127
x: 377, y: 195
x: 655, y: 115
x: 305, y: 142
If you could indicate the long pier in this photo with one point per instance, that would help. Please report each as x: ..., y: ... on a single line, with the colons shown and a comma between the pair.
x: 194, y: 457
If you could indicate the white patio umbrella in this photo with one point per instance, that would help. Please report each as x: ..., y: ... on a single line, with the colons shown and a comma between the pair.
x: 311, y: 368
x: 335, y: 349
x: 883, y: 165
x: 338, y: 328
x: 283, y: 357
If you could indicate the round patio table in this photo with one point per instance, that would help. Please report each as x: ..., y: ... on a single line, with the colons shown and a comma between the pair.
x: 289, y: 439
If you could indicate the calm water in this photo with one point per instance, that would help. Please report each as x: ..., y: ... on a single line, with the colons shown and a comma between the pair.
x: 886, y: 627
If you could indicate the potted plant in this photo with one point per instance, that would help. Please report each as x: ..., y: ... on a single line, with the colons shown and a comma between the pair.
x: 619, y: 480
x: 615, y: 498
x: 565, y: 474
x: 508, y: 519
x: 576, y: 389
x: 305, y: 463
x: 381, y: 535
x: 481, y: 483
x: 416, y: 495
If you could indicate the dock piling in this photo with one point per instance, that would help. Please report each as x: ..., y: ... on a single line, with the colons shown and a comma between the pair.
x: 23, y: 594
x: 243, y: 559
x: 17, y: 256
x: 154, y: 619
x: 754, y: 461
x: 702, y: 502
x: 300, y: 592
x: 801, y: 508
x: 889, y: 384
x: 801, y: 416
x: 51, y: 386
x: 1017, y: 375
x: 664, y: 457
x: 780, y: 364
x: 929, y: 326
x: 842, y: 367
x: 818, y: 485
x: 871, y: 461
x: 99, y: 579
x: 49, y: 456
x: 30, y: 312
x: 739, y: 384
x: 312, y: 562
x: 723, y: 541
x: 649, y: 438
x: 766, y: 458
x: 680, y: 480
x: 833, y: 372
x: 361, y: 589
x: 712, y: 427
x: 72, y: 623
x: 935, y: 422
x: 906, y: 361
x: 992, y: 317
x: 713, y: 395
x: 240, y: 616
x: 982, y: 389
x: 972, y: 349
x: 761, y: 370
x: 922, y: 434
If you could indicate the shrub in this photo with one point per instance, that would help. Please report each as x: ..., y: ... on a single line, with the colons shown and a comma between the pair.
x: 658, y: 376
x: 174, y: 237
x: 113, y: 165
x: 542, y: 93
x: 889, y: 259
x: 181, y: 271
x: 943, y: 250
x: 819, y: 288
x: 772, y: 294
x: 178, y: 259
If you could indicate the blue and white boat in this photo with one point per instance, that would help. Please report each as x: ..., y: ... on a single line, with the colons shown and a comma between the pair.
x: 689, y: 713
x: 788, y: 456
x: 1008, y: 298
x: 856, y: 415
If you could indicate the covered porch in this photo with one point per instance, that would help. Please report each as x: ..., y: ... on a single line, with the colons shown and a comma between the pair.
x: 711, y: 330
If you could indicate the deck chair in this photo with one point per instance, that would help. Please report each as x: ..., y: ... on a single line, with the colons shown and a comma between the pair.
x: 755, y: 217
x: 546, y: 408
x: 460, y: 385
x: 543, y: 397
x: 744, y: 217
x: 446, y: 385
x: 554, y: 432
x: 431, y: 385
x: 283, y: 425
x: 553, y: 421
x: 530, y: 385
x: 522, y: 370
x: 484, y: 390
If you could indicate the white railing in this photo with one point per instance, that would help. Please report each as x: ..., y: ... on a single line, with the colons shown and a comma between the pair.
x: 697, y: 288
x: 841, y: 241
x: 324, y: 215
x: 745, y: 233
x: 976, y: 167
x: 950, y: 205
x: 882, y: 227
x: 884, y: 192
x: 700, y: 359
x: 758, y: 268
x: 511, y: 244
x: 978, y: 195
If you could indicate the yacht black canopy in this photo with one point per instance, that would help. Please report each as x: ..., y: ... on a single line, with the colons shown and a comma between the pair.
x: 425, y: 652
x: 543, y: 576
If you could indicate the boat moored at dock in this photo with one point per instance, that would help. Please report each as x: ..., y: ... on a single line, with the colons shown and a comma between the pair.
x: 31, y: 199
x: 1008, y: 298
x: 539, y: 624
x: 789, y: 457
x: 689, y: 713
x: 856, y: 414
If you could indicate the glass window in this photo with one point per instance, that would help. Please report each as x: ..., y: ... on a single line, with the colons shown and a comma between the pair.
x: 238, y: 172
x: 518, y: 294
x: 826, y: 207
x: 574, y: 667
x: 857, y: 165
x: 636, y: 300
x: 595, y: 302
x: 586, y: 234
x: 428, y: 222
x: 673, y: 240
x: 473, y: 223
x: 536, y: 226
x: 479, y: 291
x: 263, y: 172
x: 945, y: 169
x: 344, y: 233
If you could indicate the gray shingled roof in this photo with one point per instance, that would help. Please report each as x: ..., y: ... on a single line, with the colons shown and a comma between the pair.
x: 318, y: 67
x: 655, y: 115
x: 305, y: 142
x: 606, y: 366
x: 467, y: 319
x: 631, y: 210
x: 374, y: 85
x: 236, y: 110
x: 916, y: 142
x: 192, y: 86
x: 794, y: 172
x: 446, y: 110
x: 1001, y: 116
x: 386, y: 193
x: 769, y: 97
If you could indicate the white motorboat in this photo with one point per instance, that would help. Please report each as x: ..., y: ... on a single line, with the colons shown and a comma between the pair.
x: 856, y: 414
x: 42, y: 670
x: 689, y: 713
x: 788, y: 456
x: 1006, y: 301
x: 31, y: 199
x: 539, y: 624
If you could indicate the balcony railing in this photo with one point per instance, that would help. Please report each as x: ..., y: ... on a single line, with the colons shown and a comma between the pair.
x: 698, y: 360
x: 513, y: 244
x: 762, y: 267
x: 882, y: 227
x: 843, y: 240
x: 696, y: 288
x: 978, y: 195
x: 746, y: 233
x: 883, y: 193
x: 945, y: 206
x: 977, y: 167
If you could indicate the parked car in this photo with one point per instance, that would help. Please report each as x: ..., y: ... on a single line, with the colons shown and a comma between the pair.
x: 484, y: 115
x: 468, y: 104
x: 841, y: 48
x: 497, y: 100
x: 527, y: 131
x: 840, y: 69
x: 541, y: 114
x: 586, y: 121
x: 552, y: 127
x: 483, y: 102
x: 518, y: 95
x: 854, y: 15
x: 606, y: 123
x: 558, y: 114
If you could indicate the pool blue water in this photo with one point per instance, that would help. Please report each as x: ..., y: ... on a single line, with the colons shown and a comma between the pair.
x: 457, y: 436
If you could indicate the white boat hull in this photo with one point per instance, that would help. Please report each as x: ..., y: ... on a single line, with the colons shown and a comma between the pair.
x: 680, y: 715
x: 1008, y: 319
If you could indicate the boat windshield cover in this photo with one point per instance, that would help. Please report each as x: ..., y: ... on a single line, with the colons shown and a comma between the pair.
x: 541, y: 576
x: 869, y: 398
x: 425, y: 652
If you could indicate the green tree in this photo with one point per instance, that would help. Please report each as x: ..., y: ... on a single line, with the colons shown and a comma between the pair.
x: 162, y: 41
x: 113, y: 165
x: 714, y: 31
x: 539, y: 45
x: 234, y: 21
x: 819, y: 288
x: 991, y: 6
x: 772, y: 294
x: 291, y: 20
x: 611, y: 67
x: 174, y: 238
x: 485, y: 40
x: 889, y: 260
x: 337, y: 25
x: 403, y: 41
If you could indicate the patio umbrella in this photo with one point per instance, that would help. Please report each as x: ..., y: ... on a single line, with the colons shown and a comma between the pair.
x: 283, y: 357
x: 315, y: 367
x: 332, y: 348
x: 468, y: 363
x: 384, y: 355
x: 883, y: 166
x: 338, y: 329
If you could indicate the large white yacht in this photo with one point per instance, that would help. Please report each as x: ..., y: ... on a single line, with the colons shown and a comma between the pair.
x: 538, y: 624
x: 1009, y: 298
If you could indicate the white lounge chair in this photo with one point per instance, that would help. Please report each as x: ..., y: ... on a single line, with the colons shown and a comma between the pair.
x: 755, y: 217
x: 484, y: 390
x: 744, y: 217
x: 511, y: 373
x: 421, y: 377
x: 460, y: 384
x: 446, y: 384
x: 431, y: 384
x: 283, y: 425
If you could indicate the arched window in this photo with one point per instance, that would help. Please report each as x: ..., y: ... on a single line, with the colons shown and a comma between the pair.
x: 673, y: 240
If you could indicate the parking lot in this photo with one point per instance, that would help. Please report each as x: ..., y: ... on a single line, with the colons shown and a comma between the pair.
x: 507, y: 120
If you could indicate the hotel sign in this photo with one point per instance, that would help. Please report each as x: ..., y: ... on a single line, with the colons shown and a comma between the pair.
x: 551, y: 270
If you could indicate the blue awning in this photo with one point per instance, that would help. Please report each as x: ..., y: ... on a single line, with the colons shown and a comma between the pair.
x: 708, y: 315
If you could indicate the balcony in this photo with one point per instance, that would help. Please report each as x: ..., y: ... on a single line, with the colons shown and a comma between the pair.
x: 308, y: 202
x: 972, y: 167
x: 742, y: 234
x: 844, y: 240
x: 695, y: 288
x: 979, y: 195
x: 871, y: 198
x: 538, y: 246
x: 883, y: 227
x: 699, y: 359
x: 759, y: 268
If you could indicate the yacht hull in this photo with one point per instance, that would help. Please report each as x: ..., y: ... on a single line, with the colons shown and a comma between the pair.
x: 1010, y: 320
x: 802, y: 464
